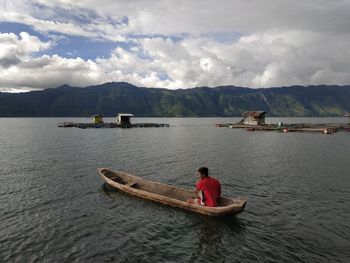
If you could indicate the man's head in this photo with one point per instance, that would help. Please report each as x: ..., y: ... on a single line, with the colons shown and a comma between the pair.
x: 203, y: 172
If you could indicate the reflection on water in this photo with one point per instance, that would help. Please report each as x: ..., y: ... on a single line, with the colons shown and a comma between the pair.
x: 212, y: 229
x: 108, y: 190
x: 212, y: 233
x: 55, y: 207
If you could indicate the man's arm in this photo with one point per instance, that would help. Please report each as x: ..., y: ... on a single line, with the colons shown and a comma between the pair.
x: 197, y: 189
x: 196, y: 192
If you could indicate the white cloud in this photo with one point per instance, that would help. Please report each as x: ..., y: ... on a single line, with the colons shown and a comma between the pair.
x: 168, y: 17
x: 48, y: 72
x: 14, y: 48
x: 274, y: 44
x: 201, y: 16
x: 20, y: 70
x: 12, y: 11
x: 272, y: 58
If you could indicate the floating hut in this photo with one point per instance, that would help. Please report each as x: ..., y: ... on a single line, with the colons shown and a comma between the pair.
x: 123, y: 121
x: 97, y: 119
x: 255, y: 121
x: 254, y: 117
x: 124, y: 118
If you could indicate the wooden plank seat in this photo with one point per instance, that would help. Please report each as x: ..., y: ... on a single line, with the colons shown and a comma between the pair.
x: 119, y: 180
x: 130, y: 184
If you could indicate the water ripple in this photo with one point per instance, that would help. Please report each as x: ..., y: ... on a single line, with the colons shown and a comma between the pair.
x: 54, y: 206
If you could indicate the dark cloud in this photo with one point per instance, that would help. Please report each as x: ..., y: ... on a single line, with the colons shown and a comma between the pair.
x: 9, y: 61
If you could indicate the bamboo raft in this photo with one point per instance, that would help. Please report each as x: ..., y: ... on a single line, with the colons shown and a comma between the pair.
x: 326, y: 128
x: 168, y: 194
x: 110, y: 125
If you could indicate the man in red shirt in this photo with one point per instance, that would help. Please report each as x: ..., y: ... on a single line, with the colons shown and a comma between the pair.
x: 208, y: 189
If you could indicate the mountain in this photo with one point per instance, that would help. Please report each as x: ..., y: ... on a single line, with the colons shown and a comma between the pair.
x: 110, y: 98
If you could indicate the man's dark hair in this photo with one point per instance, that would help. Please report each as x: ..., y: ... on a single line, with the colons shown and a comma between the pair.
x: 204, y: 171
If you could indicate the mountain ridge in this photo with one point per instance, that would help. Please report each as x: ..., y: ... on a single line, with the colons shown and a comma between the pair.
x: 223, y: 101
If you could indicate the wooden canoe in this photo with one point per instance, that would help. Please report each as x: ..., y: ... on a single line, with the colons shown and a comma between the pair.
x: 168, y: 194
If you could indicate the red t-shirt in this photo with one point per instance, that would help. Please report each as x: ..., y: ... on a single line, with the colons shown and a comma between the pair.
x: 211, y: 190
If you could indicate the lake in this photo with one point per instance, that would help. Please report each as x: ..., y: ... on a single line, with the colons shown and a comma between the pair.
x: 54, y: 207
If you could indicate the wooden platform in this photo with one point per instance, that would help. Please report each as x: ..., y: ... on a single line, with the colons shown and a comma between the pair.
x: 326, y: 128
x: 110, y: 125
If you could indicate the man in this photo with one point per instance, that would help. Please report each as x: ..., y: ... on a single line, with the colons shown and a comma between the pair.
x: 208, y: 189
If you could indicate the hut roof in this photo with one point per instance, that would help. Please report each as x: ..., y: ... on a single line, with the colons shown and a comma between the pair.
x: 125, y: 114
x: 253, y: 113
x: 96, y: 115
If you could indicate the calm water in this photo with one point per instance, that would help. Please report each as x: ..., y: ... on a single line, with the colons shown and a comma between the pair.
x: 54, y: 206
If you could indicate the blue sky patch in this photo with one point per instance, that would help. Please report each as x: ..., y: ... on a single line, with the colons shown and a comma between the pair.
x: 75, y: 46
x: 16, y: 28
x: 65, y: 45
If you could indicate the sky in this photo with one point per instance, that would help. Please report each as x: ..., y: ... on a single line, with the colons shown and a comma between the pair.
x: 173, y: 43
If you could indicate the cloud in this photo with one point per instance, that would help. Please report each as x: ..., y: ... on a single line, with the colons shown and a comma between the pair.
x: 21, y: 70
x: 68, y: 21
x: 179, y: 44
x: 120, y: 20
x: 272, y: 58
x: 14, y: 48
x: 196, y: 17
x: 48, y: 72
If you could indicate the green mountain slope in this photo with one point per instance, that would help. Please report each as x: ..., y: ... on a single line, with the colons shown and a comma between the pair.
x: 111, y: 98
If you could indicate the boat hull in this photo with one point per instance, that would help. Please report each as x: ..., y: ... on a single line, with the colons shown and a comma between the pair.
x: 168, y: 194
